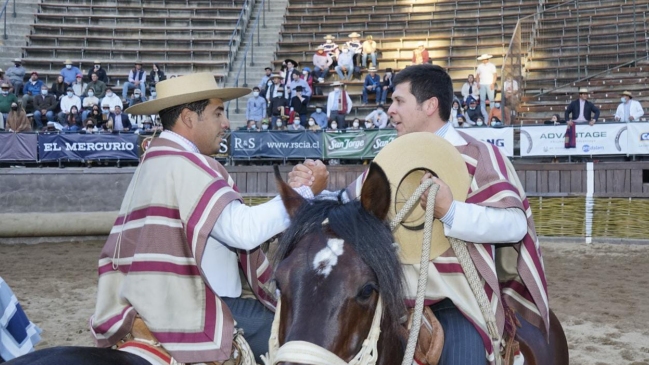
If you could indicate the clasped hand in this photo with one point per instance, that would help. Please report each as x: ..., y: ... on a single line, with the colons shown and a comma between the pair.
x: 311, y: 173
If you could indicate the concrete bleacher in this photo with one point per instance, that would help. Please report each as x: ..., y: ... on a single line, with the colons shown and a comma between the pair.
x: 181, y: 36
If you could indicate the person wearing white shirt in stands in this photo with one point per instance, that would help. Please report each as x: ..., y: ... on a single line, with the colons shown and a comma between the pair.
x: 338, y: 104
x: 470, y: 90
x: 378, y: 117
x: 67, y: 102
x: 629, y: 110
x: 486, y: 76
x: 112, y: 100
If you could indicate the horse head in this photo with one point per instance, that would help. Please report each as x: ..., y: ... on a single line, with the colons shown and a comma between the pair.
x: 333, y: 264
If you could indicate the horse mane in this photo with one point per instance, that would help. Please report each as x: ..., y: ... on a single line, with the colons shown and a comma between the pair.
x: 370, y: 237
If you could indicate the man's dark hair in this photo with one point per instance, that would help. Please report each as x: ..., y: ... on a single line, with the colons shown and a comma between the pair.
x: 427, y: 81
x: 256, y: 88
x: 169, y: 116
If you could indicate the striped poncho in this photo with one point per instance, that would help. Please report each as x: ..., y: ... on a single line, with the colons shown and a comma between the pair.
x: 513, y: 274
x: 18, y: 335
x: 169, y: 210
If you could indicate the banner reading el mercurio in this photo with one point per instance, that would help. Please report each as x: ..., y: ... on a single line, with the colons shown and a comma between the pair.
x: 54, y: 147
x: 18, y: 147
x: 269, y: 144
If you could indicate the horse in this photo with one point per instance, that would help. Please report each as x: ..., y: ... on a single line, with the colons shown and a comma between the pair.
x: 337, y: 259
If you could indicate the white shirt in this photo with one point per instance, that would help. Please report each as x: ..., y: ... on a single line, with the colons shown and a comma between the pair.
x: 486, y: 72
x: 67, y: 103
x: 112, y: 101
x: 379, y: 120
x: 635, y: 110
x: 332, y: 102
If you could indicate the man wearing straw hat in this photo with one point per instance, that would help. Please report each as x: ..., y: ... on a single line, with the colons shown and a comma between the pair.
x: 629, y: 110
x: 172, y: 263
x: 69, y: 72
x: 486, y: 76
x: 495, y: 212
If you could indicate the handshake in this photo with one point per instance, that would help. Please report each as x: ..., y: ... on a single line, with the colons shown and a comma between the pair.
x: 311, y: 173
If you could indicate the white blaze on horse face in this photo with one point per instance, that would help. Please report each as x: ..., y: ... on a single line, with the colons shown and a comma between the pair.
x: 327, y: 258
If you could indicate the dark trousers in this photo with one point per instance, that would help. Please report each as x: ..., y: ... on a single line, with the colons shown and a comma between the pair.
x: 339, y: 118
x: 462, y: 342
x: 255, y: 320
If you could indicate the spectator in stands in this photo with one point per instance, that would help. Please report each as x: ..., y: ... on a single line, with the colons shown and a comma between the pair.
x: 355, y: 48
x: 136, y: 98
x: 265, y: 81
x: 32, y: 88
x: 581, y: 110
x: 333, y: 126
x: 90, y: 126
x: 320, y: 117
x: 112, y: 100
x: 306, y: 76
x: 496, y: 114
x: 378, y: 117
x: 69, y: 72
x: 101, y: 74
x: 67, y: 102
x: 387, y: 84
x: 510, y: 87
x: 290, y: 68
x: 89, y: 101
x: 280, y: 125
x: 486, y: 76
x: 59, y: 87
x: 331, y: 48
x: 554, y: 120
x: 16, y: 75
x: 79, y: 86
x: 73, y: 120
x: 278, y: 107
x: 338, y: 104
x: 345, y: 64
x: 321, y: 63
x: 273, y: 89
x: 136, y: 79
x: 462, y: 122
x: 256, y: 107
x: 456, y: 110
x: 296, y: 82
x: 420, y: 54
x: 98, y: 86
x: 356, y: 125
x: 368, y: 125
x: 96, y: 114
x: 313, y: 125
x: 250, y: 126
x: 299, y: 105
x: 5, y: 79
x: 45, y: 105
x: 470, y: 90
x: 295, y: 126
x: 6, y: 99
x: 372, y: 85
x: 474, y: 113
x: 17, y: 120
x: 369, y: 49
x: 629, y: 110
x: 121, y: 121
x: 154, y: 94
x: 156, y: 75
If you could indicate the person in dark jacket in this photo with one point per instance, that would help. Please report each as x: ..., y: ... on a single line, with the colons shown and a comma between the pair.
x: 278, y: 108
x: 156, y: 75
x: 299, y: 104
x: 101, y: 73
x: 581, y: 110
x: 45, y: 105
x: 59, y: 87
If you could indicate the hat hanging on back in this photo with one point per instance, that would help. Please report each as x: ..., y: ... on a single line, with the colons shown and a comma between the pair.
x: 405, y: 161
x: 186, y: 89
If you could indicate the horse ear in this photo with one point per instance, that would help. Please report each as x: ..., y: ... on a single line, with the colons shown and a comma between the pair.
x: 292, y: 200
x: 375, y: 195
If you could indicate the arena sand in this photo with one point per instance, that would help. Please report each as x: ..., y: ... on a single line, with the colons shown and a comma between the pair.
x: 600, y: 293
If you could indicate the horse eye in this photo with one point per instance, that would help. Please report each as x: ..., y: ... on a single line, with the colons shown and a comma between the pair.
x: 366, y: 292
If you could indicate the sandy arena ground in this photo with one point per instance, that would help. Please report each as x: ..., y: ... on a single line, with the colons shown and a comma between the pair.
x: 600, y: 293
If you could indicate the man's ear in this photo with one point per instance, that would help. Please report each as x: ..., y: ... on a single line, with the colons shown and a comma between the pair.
x: 431, y: 106
x: 291, y: 199
x: 188, y: 118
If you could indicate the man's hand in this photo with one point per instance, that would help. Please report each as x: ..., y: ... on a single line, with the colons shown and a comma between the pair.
x: 492, y: 86
x: 43, y: 111
x: 592, y: 122
x: 312, y: 173
x: 617, y: 119
x: 631, y: 118
x: 443, y: 199
x: 571, y: 123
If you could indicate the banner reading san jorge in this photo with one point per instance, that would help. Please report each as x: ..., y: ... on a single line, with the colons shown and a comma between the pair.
x: 357, y: 145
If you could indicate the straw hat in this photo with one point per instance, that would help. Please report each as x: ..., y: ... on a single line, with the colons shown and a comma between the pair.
x: 485, y: 56
x: 627, y: 93
x: 329, y: 36
x: 67, y: 62
x: 421, y: 44
x: 371, y: 69
x: 275, y: 75
x: 320, y: 48
x: 97, y: 62
x: 583, y: 90
x: 18, y: 60
x: 337, y: 83
x: 354, y: 35
x: 405, y: 160
x: 186, y: 89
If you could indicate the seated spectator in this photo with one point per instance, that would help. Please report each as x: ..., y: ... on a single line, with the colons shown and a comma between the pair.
x: 456, y: 110
x: 320, y: 117
x: 89, y: 102
x: 369, y: 49
x: 264, y: 124
x: 59, y: 87
x: 97, y: 86
x: 101, y: 74
x: 333, y: 126
x: 355, y: 48
x: 67, y: 102
x: 387, y: 85
x: 79, y: 87
x: 480, y: 122
x: 462, y: 122
x: 372, y: 85
x: 368, y: 125
x: 420, y: 54
x: 321, y: 63
x: 265, y: 81
x: 306, y: 76
x: 6, y: 99
x: 112, y: 100
x: 296, y: 82
x: 256, y: 106
x: 73, y: 120
x: 510, y: 87
x: 313, y: 126
x: 280, y: 125
x: 250, y: 126
x: 378, y: 117
x: 153, y: 93
x: 17, y: 120
x: 295, y: 126
x: 495, y: 113
x: 136, y: 80
x: 331, y: 48
x: 470, y: 90
x: 278, y: 107
x: 90, y: 126
x: 345, y: 65
x: 136, y: 98
x: 155, y: 76
x: 356, y: 125
x: 18, y: 334
x: 45, y: 105
x: 299, y: 105
x: 555, y: 120
x: 69, y: 72
x: 338, y: 104
x: 121, y: 121
x: 629, y: 110
x: 474, y: 113
x: 4, y: 78
x: 32, y: 88
x: 16, y: 75
x: 96, y: 114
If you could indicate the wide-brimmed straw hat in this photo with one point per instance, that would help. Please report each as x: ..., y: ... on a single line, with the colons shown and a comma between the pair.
x: 371, y: 69
x: 405, y: 161
x: 354, y: 35
x: 337, y: 83
x: 186, y: 89
x: 67, y: 62
x: 627, y: 93
x: 329, y: 36
x: 275, y: 75
x: 485, y: 56
x: 583, y: 90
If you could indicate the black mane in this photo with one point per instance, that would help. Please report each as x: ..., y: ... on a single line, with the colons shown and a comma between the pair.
x: 371, y: 238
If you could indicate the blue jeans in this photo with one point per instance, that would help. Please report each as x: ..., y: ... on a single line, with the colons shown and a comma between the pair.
x: 38, y: 118
x: 376, y: 90
x: 462, y: 342
x: 364, y: 62
x: 485, y: 90
x: 320, y: 73
x: 255, y: 320
x: 350, y: 71
x: 384, y: 94
x: 129, y: 85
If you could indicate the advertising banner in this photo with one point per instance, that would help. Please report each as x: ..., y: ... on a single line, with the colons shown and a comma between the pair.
x: 357, y: 144
x: 18, y: 147
x: 268, y: 144
x: 54, y: 147
x: 599, y: 139
x: 638, y: 138
x: 501, y: 137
